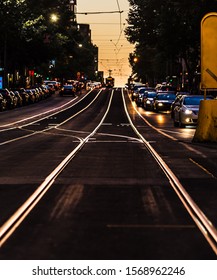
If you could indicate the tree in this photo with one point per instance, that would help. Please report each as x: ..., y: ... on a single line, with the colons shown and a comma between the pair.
x: 166, y: 34
x: 29, y: 39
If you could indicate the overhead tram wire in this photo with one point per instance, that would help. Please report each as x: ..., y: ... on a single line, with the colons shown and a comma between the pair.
x: 107, y: 23
x: 117, y: 49
x: 119, y: 9
x: 96, y: 13
x: 121, y: 29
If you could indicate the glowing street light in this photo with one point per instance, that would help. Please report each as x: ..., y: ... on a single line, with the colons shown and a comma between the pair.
x: 54, y: 18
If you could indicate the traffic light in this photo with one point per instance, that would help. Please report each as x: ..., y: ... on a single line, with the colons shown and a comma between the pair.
x: 31, y: 72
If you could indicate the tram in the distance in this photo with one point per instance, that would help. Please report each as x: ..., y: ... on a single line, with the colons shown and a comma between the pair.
x: 109, y: 82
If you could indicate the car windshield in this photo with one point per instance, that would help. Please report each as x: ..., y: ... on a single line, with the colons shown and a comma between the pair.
x: 166, y: 97
x: 193, y: 100
x: 142, y: 90
x: 137, y: 88
x: 68, y: 87
x: 152, y: 94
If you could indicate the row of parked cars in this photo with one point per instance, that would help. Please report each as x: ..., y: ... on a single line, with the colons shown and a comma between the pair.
x: 10, y: 99
x: 183, y: 106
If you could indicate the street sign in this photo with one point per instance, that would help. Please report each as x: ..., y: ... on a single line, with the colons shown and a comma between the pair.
x: 209, y: 51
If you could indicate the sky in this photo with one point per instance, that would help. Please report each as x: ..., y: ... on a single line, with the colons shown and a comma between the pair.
x: 107, y: 31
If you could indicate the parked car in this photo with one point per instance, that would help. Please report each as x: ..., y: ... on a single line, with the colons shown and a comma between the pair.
x: 3, y: 103
x: 8, y: 97
x: 68, y: 90
x: 51, y: 87
x: 55, y: 83
x: 31, y: 96
x: 45, y: 90
x: 148, y: 100
x: 23, y: 94
x: 15, y: 99
x: 36, y: 94
x: 186, y: 110
x: 163, y: 101
x: 19, y: 98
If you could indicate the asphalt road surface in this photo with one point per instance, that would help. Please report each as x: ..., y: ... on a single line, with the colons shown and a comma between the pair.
x: 95, y: 177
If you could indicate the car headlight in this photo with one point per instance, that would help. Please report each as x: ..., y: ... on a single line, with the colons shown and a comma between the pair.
x: 148, y: 102
x: 188, y: 112
x: 160, y: 104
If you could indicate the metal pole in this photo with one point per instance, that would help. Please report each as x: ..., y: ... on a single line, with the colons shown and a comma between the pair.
x: 5, y: 61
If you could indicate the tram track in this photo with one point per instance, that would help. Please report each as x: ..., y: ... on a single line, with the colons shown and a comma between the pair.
x: 203, y: 223
x: 14, y: 221
x: 35, y: 122
x: 199, y: 218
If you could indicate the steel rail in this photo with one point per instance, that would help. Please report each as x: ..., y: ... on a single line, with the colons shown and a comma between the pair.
x: 33, y: 133
x: 7, y: 229
x: 45, y: 114
x: 200, y: 219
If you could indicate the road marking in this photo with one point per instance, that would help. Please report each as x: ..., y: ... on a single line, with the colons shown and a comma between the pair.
x: 203, y: 223
x: 124, y: 124
x: 203, y: 168
x: 107, y: 141
x: 55, y: 110
x: 193, y: 150
x: 52, y: 124
x: 7, y: 229
x: 152, y: 226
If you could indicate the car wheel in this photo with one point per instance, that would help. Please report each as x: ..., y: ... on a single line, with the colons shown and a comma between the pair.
x: 181, y: 125
x: 176, y: 124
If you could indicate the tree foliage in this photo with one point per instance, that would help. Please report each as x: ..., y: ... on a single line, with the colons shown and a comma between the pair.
x: 29, y: 39
x: 165, y: 33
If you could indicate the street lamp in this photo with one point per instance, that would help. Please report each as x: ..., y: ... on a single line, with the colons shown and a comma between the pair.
x: 54, y: 18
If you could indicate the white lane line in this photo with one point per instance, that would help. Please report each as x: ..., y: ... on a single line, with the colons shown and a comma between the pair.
x: 165, y: 134
x: 7, y: 229
x: 35, y: 116
x: 203, y: 168
x: 18, y: 138
x: 190, y: 148
x: 136, y: 226
x: 201, y: 220
x: 54, y: 111
x: 149, y: 124
x: 49, y: 127
x: 80, y: 110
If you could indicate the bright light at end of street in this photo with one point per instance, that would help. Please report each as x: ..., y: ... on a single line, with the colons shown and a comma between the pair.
x: 54, y: 18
